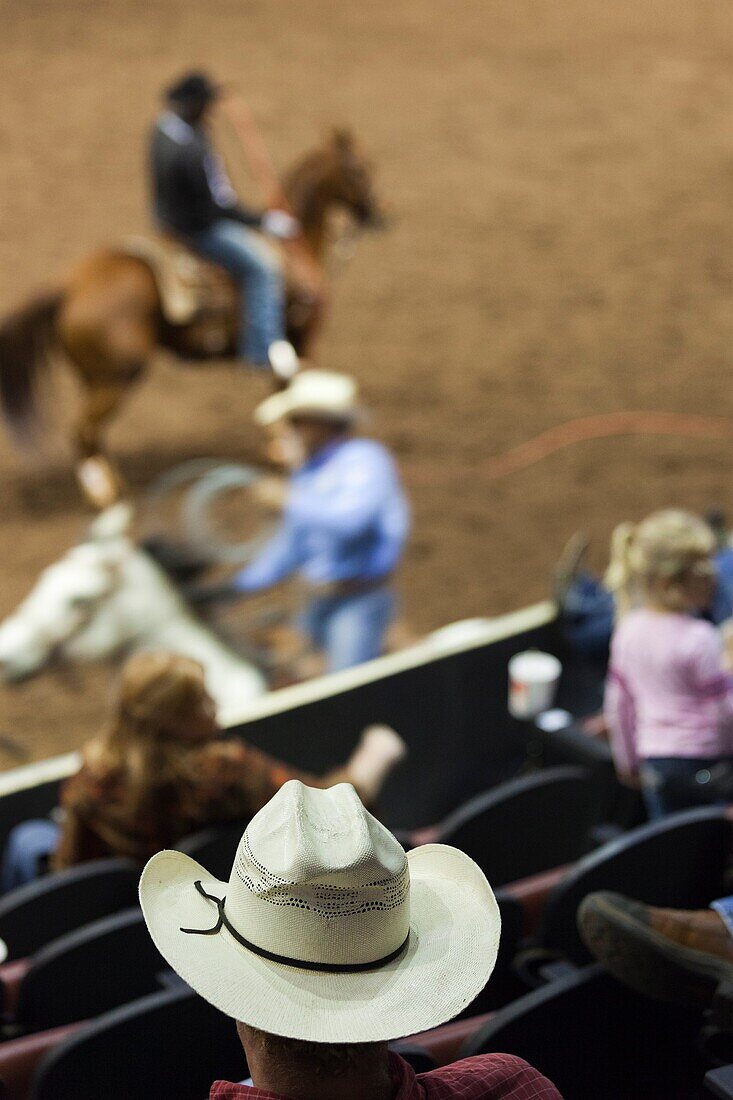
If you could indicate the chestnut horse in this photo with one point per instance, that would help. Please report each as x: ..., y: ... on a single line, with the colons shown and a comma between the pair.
x: 107, y: 317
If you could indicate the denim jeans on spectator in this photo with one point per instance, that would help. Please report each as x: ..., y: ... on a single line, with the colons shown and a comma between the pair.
x: 724, y: 908
x: 668, y: 784
x: 247, y: 256
x: 27, y: 852
x: 350, y: 629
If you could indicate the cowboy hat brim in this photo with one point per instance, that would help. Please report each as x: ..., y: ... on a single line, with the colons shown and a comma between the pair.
x: 282, y: 405
x: 454, y: 940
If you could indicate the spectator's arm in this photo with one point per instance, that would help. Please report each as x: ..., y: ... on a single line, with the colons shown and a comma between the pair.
x: 70, y: 849
x: 237, y: 779
x: 78, y: 842
x: 620, y: 715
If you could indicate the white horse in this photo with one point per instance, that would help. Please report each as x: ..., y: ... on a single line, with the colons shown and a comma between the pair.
x: 107, y: 598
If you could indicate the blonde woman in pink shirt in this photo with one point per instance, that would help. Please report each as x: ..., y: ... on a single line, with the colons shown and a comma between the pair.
x: 669, y: 692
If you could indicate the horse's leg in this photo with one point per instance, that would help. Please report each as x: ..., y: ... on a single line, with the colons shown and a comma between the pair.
x: 313, y: 327
x: 306, y: 314
x: 98, y: 477
x: 109, y: 329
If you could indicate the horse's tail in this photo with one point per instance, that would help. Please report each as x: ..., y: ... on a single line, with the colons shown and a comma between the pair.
x: 26, y: 336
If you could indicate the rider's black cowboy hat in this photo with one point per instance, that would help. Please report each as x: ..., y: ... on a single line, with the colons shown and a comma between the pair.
x: 194, y: 87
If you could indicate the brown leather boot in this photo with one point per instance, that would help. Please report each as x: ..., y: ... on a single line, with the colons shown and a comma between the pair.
x: 673, y: 955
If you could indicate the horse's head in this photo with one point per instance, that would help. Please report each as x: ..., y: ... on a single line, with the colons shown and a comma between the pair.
x: 71, y: 605
x: 350, y: 179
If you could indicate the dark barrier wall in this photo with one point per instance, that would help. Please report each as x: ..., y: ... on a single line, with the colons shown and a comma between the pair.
x: 452, y: 712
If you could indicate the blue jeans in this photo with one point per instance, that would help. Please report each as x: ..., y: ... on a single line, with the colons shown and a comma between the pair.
x: 255, y: 266
x: 350, y: 629
x: 27, y: 851
x: 668, y: 784
x: 724, y: 908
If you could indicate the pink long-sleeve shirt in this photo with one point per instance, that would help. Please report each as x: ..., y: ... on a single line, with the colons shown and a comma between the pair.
x: 667, y: 693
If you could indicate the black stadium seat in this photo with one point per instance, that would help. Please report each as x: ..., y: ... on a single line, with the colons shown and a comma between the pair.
x: 719, y: 1082
x: 677, y: 862
x: 525, y: 826
x: 596, y: 1040
x: 104, y: 964
x: 503, y: 985
x: 215, y: 848
x: 171, y: 1044
x: 33, y: 915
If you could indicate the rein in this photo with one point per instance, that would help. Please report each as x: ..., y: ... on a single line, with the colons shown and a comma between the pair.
x: 263, y: 170
x: 275, y: 194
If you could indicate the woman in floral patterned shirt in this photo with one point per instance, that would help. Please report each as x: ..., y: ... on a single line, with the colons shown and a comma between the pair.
x: 161, y: 771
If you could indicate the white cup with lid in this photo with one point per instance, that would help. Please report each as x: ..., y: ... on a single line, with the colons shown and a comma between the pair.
x: 533, y: 680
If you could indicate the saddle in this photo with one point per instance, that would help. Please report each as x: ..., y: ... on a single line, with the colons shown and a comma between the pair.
x: 200, y: 300
x: 189, y: 286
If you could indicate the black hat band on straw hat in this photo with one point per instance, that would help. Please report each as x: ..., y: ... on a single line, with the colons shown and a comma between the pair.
x: 301, y: 964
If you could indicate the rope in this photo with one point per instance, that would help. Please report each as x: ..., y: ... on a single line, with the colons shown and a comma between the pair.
x: 211, y: 478
x: 199, y: 482
x: 602, y: 426
x: 243, y: 121
x: 197, y: 521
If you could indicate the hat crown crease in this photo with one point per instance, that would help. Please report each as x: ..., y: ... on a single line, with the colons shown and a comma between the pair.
x: 317, y: 878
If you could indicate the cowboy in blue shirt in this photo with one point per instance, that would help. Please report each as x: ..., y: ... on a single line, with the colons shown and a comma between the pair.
x: 345, y: 519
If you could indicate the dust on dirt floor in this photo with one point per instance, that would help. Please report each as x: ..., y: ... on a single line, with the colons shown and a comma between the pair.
x: 560, y: 177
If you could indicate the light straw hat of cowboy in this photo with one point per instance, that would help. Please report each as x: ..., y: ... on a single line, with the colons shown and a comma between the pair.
x: 319, y: 393
x: 326, y: 930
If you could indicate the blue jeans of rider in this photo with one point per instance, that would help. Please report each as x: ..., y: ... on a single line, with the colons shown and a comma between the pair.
x: 27, y: 851
x: 255, y: 266
x: 349, y: 629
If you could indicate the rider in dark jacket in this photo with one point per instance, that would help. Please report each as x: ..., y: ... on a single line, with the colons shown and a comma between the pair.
x: 193, y: 198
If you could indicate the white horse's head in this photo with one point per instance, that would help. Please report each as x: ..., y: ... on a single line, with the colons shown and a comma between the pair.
x: 106, y: 598
x: 70, y: 611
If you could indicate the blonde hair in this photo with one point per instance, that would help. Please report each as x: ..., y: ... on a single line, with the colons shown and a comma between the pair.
x: 662, y: 554
x: 145, y: 742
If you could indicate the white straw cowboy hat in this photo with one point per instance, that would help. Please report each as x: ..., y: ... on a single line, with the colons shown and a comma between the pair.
x: 320, y: 393
x: 326, y: 931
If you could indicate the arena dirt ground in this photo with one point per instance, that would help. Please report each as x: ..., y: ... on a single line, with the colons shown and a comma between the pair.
x: 561, y: 177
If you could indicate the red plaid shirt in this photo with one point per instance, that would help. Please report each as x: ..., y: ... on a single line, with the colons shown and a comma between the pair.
x: 486, y: 1077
